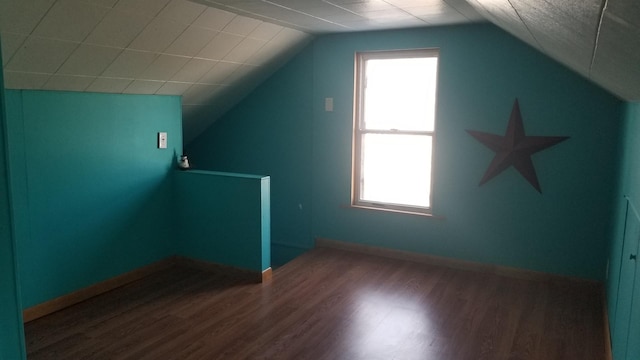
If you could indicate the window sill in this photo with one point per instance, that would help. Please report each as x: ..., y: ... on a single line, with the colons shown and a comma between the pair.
x: 407, y: 212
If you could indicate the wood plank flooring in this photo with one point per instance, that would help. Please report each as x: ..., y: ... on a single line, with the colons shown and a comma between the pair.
x: 329, y: 304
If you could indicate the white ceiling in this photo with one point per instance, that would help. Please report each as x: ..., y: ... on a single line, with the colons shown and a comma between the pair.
x: 214, y: 52
x: 329, y: 16
x: 166, y: 47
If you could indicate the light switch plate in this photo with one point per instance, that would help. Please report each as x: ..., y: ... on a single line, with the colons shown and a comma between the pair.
x: 328, y: 104
x: 162, y: 140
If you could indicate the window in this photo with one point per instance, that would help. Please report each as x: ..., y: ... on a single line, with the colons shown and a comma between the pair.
x: 394, y: 129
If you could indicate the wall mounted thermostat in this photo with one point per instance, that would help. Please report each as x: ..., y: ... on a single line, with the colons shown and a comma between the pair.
x: 162, y: 140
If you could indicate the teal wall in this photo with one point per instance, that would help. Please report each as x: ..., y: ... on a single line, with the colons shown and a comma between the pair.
x: 282, y: 130
x: 271, y: 133
x: 93, y: 194
x: 11, y: 331
x: 623, y: 298
x: 223, y: 218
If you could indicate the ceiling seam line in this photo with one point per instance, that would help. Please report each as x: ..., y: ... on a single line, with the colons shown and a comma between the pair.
x: 28, y: 36
x: 525, y: 25
x: 456, y: 9
x: 241, y: 12
x: 302, y: 13
x: 603, y: 8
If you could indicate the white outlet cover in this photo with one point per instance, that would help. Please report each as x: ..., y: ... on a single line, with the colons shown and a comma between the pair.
x: 328, y: 104
x: 162, y: 140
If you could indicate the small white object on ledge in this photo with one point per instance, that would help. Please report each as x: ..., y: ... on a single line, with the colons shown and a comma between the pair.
x: 184, y: 162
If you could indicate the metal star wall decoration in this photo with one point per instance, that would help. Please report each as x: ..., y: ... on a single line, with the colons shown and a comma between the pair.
x: 514, y: 149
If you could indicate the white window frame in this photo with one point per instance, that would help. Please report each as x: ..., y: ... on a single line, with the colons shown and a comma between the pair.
x: 359, y: 131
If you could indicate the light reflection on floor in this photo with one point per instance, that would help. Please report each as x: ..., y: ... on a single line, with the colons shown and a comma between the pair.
x: 381, y: 329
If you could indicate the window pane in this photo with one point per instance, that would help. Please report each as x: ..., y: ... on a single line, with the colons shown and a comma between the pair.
x: 396, y: 169
x: 400, y: 94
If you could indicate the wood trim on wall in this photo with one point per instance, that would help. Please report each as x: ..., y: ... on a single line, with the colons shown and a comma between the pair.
x: 75, y: 297
x: 449, y: 262
x: 256, y: 276
x: 608, y: 351
x: 267, y: 274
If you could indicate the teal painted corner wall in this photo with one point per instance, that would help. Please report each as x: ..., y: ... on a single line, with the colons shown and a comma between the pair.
x: 282, y: 130
x: 271, y: 133
x: 623, y: 297
x: 93, y: 194
x: 11, y: 328
x: 223, y: 218
x: 506, y: 222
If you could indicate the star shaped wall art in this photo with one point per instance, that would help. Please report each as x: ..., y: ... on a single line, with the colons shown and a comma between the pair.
x: 514, y: 149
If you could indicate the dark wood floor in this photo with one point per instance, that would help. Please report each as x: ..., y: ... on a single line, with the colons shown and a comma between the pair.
x: 329, y: 304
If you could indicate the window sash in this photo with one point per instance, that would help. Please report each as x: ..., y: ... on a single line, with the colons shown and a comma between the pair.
x: 360, y: 132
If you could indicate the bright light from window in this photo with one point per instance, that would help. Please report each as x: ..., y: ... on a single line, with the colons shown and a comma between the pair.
x: 395, y: 128
x: 396, y: 169
x: 400, y: 94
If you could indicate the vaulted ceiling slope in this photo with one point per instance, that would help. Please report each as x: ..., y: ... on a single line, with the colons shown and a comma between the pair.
x: 170, y: 47
x: 599, y: 39
x: 214, y: 52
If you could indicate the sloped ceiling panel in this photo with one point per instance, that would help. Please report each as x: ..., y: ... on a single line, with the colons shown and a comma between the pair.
x: 599, y: 39
x: 566, y: 29
x: 213, y: 52
x: 165, y: 47
x: 616, y: 62
x: 315, y: 16
x: 501, y: 13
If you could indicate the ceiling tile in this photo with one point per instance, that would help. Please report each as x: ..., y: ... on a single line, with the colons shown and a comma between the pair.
x: 68, y: 83
x: 143, y: 87
x: 361, y: 7
x: 220, y: 46
x: 158, y: 35
x: 10, y: 44
x: 286, y: 41
x: 173, y: 88
x: 501, y: 13
x: 109, y: 85
x: 241, y: 25
x: 266, y: 54
x: 193, y: 70
x: 130, y: 64
x: 438, y: 14
x: 333, y: 13
x: 617, y: 56
x: 245, y: 50
x: 191, y: 41
x: 219, y: 73
x: 214, y: 19
x: 70, y: 20
x: 240, y: 73
x: 288, y: 37
x: 567, y: 29
x: 89, y: 60
x: 22, y: 16
x: 164, y: 67
x: 627, y: 11
x: 265, y: 31
x: 104, y: 3
x: 24, y: 80
x: 188, y: 110
x: 118, y: 29
x: 182, y: 11
x: 199, y: 94
x: 41, y: 55
x: 146, y: 7
x: 464, y: 8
